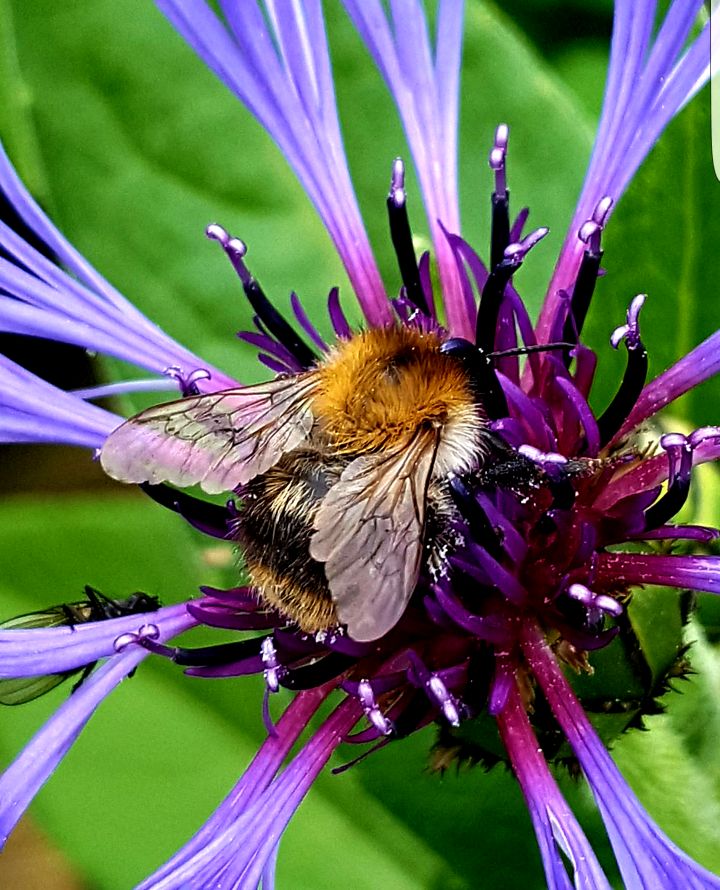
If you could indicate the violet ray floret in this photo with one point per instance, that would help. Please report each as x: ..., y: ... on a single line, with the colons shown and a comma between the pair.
x: 26, y: 775
x: 629, y: 826
x: 50, y: 650
x: 555, y: 825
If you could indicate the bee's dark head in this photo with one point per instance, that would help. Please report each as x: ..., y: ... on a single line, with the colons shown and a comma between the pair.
x: 476, y: 362
x: 480, y: 365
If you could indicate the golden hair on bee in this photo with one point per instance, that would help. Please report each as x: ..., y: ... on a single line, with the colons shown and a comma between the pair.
x: 376, y: 389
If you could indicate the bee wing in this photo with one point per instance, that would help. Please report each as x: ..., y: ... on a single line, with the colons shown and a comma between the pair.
x: 18, y: 690
x: 219, y: 440
x: 369, y: 534
x: 53, y: 616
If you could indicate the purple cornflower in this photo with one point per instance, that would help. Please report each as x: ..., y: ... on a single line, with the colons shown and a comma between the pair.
x: 538, y: 573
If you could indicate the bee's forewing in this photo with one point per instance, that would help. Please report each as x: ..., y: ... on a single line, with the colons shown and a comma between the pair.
x: 220, y: 440
x: 369, y: 534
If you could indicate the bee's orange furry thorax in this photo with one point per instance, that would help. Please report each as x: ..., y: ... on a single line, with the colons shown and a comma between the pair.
x: 378, y: 388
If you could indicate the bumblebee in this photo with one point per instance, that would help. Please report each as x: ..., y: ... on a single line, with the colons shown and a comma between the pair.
x: 342, y: 471
x: 95, y: 607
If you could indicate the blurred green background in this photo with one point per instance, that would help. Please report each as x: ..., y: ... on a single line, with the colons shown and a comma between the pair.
x: 133, y: 147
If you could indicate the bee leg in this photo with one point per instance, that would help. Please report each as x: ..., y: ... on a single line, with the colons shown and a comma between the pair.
x: 414, y: 715
x: 219, y: 655
x: 317, y: 672
x: 211, y: 519
x: 482, y: 530
x: 86, y: 671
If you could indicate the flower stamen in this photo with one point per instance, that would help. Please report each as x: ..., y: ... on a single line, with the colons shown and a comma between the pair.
x: 680, y: 450
x: 283, y: 332
x: 635, y: 375
x: 584, y: 288
x: 375, y: 716
x: 494, y: 289
x: 187, y: 382
x: 596, y: 601
x: 401, y: 235
x: 500, y: 198
x: 435, y: 689
x: 273, y: 670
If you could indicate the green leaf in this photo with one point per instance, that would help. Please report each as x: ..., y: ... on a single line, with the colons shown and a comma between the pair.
x: 657, y: 765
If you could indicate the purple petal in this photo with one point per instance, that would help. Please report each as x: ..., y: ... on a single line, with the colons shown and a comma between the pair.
x: 279, y: 68
x: 693, y: 572
x: 85, y: 310
x: 240, y: 837
x: 425, y: 90
x: 700, y: 364
x: 32, y: 410
x: 556, y: 828
x: 647, y: 857
x: 52, y: 650
x: 648, y: 84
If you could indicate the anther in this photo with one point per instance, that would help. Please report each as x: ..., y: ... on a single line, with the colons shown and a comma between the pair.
x: 555, y: 466
x: 590, y: 234
x: 635, y: 375
x: 375, y: 716
x: 498, y: 155
x: 187, y: 382
x: 500, y: 198
x: 283, y: 332
x: 591, y: 600
x: 401, y: 236
x: 439, y: 691
x: 272, y: 668
x: 435, y: 689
